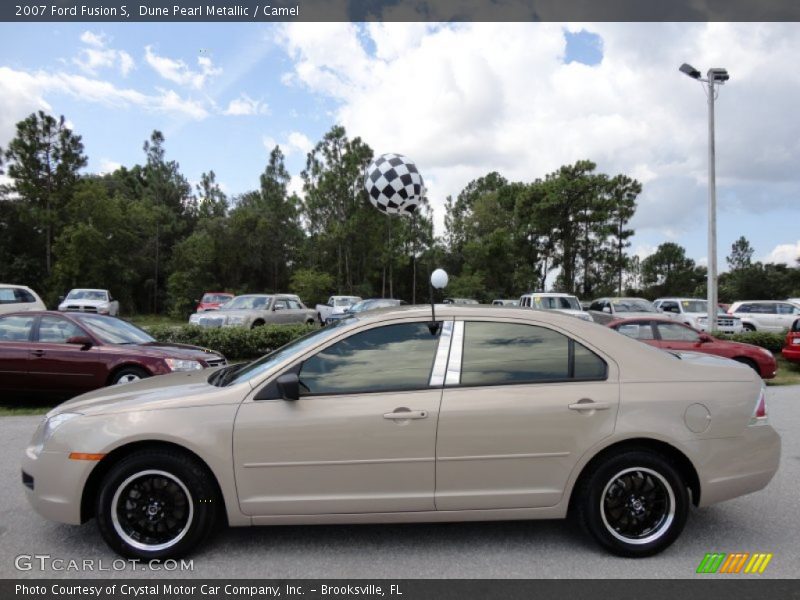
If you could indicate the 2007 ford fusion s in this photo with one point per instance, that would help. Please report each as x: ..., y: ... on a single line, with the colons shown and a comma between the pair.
x: 484, y: 414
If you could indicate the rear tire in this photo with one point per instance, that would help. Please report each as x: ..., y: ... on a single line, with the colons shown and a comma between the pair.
x: 156, y: 504
x: 634, y: 503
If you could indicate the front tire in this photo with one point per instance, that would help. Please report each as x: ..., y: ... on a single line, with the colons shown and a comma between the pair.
x: 749, y: 327
x: 129, y: 375
x: 634, y: 504
x: 156, y: 504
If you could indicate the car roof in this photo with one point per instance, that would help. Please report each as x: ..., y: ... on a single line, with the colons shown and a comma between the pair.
x: 16, y: 285
x: 550, y: 294
x: 679, y: 298
x: 57, y: 313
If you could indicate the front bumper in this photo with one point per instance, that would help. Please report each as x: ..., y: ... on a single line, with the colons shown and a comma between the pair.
x: 732, y: 467
x: 57, y: 484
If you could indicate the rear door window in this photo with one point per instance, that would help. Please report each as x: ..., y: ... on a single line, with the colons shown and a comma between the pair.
x: 507, y: 353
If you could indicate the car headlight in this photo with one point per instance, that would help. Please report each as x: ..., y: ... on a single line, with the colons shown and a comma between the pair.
x: 47, y: 427
x: 195, y: 318
x: 235, y: 320
x: 177, y: 364
x: 587, y: 317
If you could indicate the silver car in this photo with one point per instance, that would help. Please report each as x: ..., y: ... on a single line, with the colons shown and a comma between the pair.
x: 255, y: 310
x: 387, y: 417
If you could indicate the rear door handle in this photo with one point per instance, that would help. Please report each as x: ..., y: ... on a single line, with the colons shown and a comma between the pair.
x: 406, y: 414
x: 589, y: 405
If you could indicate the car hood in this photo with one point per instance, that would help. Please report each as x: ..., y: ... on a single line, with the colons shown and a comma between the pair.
x: 169, y: 350
x: 175, y: 390
x: 84, y: 302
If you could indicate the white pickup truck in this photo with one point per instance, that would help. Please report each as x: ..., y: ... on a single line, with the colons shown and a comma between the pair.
x: 335, y: 306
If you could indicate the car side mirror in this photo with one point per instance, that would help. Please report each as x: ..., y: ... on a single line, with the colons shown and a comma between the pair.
x: 289, y: 386
x: 607, y: 309
x: 80, y: 340
x: 705, y: 338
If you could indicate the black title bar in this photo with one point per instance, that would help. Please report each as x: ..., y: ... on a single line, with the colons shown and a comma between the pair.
x: 398, y: 10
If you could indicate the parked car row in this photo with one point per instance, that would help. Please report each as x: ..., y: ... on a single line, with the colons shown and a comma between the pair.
x: 254, y: 310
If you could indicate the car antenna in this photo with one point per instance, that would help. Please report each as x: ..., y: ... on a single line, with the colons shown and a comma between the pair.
x: 439, y: 281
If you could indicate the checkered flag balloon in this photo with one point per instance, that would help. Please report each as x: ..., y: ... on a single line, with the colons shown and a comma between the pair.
x: 394, y: 185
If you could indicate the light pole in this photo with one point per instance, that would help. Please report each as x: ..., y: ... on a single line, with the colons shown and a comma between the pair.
x: 715, y: 76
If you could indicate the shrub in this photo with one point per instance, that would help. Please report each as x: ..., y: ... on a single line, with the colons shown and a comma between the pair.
x: 236, y: 343
x: 771, y: 341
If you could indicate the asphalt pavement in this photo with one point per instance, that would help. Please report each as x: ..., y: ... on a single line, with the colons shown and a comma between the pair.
x: 767, y: 521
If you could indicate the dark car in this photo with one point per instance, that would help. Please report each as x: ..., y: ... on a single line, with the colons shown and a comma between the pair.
x: 369, y: 304
x: 791, y: 349
x: 65, y: 354
x: 671, y: 335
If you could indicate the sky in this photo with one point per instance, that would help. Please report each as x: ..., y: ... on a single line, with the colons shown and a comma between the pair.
x: 460, y: 100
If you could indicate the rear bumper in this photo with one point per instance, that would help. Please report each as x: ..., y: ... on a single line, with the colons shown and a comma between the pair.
x: 792, y: 354
x: 733, y: 467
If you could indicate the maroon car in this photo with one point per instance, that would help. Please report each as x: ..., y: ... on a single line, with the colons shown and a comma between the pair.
x: 671, y: 335
x: 65, y: 354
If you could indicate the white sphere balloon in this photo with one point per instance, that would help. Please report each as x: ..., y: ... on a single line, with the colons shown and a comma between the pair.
x: 439, y: 279
x: 394, y: 185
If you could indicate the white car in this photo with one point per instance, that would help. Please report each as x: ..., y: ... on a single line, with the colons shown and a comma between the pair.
x: 15, y: 298
x: 90, y: 300
x: 605, y: 310
x: 765, y: 315
x: 564, y: 303
x: 336, y: 305
x: 694, y: 313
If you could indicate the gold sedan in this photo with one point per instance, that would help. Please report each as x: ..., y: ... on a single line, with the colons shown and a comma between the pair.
x: 487, y: 413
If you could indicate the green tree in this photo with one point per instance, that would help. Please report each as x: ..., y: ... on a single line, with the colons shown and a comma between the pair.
x: 43, y: 163
x: 668, y: 272
x: 741, y: 256
x: 314, y: 287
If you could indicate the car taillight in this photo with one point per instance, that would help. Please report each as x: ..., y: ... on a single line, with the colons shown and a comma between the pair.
x: 760, y: 413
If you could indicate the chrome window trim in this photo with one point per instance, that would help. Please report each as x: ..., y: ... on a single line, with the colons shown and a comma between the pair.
x: 453, y: 376
x: 442, y: 353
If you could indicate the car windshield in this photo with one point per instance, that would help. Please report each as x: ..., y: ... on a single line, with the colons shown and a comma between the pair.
x: 114, y: 331
x: 694, y: 306
x: 265, y: 363
x: 86, y: 295
x: 247, y: 303
x: 558, y: 302
x: 632, y: 305
x: 215, y: 298
x: 344, y: 301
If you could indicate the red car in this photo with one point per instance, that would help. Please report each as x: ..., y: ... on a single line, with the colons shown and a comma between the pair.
x: 671, y: 335
x: 791, y: 350
x: 65, y: 354
x: 213, y: 300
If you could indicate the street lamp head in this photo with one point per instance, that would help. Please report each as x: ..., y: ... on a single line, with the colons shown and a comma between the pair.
x: 689, y: 70
x: 718, y: 75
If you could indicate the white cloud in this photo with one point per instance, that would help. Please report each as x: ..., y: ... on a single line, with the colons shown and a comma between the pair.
x: 295, y: 142
x: 97, y: 55
x: 108, y: 166
x: 245, y: 105
x: 25, y: 92
x: 179, y: 72
x: 785, y: 253
x: 465, y: 99
x: 296, y: 186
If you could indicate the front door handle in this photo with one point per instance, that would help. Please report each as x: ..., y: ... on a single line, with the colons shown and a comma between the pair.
x: 402, y: 415
x: 589, y: 405
x: 37, y: 353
